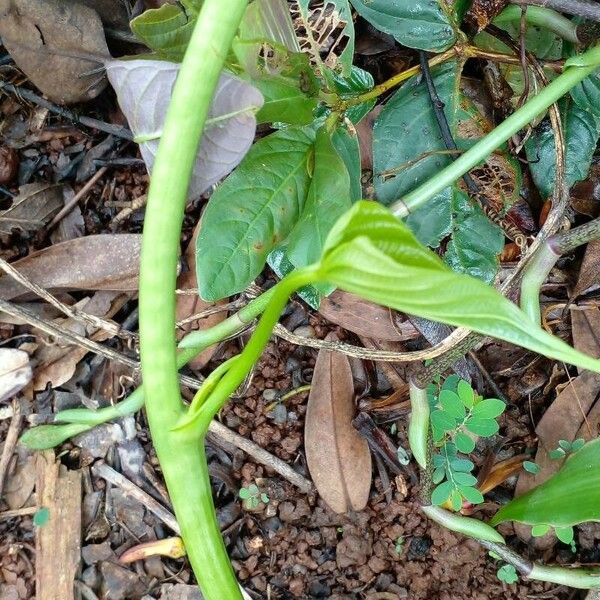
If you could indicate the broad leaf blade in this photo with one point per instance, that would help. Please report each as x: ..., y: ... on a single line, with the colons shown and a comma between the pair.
x: 421, y: 24
x: 144, y: 90
x: 347, y: 146
x: 570, y: 497
x: 328, y: 199
x: 371, y: 253
x: 253, y: 211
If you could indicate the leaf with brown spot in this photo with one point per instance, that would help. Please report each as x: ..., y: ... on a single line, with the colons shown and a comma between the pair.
x: 191, y: 304
x: 58, y: 45
x: 95, y: 262
x: 482, y: 12
x: 338, y: 458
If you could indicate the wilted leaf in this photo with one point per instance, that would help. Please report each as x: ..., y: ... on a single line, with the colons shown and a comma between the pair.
x: 166, y: 30
x: 422, y: 24
x: 338, y: 459
x: 56, y: 363
x: 47, y: 40
x: 191, y: 304
x: 144, y: 91
x: 32, y: 208
x: 15, y: 372
x: 172, y: 547
x: 95, y: 262
x: 363, y: 317
x: 253, y: 211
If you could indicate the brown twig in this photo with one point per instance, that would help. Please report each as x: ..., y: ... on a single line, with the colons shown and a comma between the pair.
x: 12, y: 436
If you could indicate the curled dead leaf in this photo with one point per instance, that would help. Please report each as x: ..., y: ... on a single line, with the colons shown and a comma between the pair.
x: 15, y: 372
x: 95, y: 262
x: 338, y: 458
x: 58, y: 45
x: 34, y: 206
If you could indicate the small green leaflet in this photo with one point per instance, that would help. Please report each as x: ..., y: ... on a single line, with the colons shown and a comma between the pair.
x: 581, y: 129
x: 41, y: 516
x: 371, y: 253
x: 569, y: 497
x: 253, y: 211
x: 508, y: 574
x: 422, y: 24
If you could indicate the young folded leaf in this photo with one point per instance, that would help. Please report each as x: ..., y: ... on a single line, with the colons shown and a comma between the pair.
x: 570, y: 497
x: 372, y: 254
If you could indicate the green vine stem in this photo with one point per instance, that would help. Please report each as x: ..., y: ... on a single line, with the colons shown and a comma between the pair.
x: 544, y: 260
x: 540, y: 17
x: 182, y: 459
x: 418, y: 424
x: 589, y: 62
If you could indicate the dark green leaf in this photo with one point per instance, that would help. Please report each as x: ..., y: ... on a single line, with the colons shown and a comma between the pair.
x: 284, y: 102
x: 570, y: 497
x: 489, y: 409
x: 166, y: 30
x: 582, y: 129
x: 471, y: 494
x: 586, y: 94
x: 482, y: 427
x: 464, y: 443
x: 253, y: 211
x: 371, y: 253
x: 328, y: 199
x: 451, y: 383
x: 452, y: 405
x: 346, y: 144
x: 422, y: 24
x: 476, y: 241
x: 357, y: 82
x: 441, y: 493
x: 439, y: 460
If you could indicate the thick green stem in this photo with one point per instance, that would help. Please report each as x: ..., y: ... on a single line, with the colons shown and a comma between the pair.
x: 580, y: 578
x: 482, y: 149
x: 533, y: 277
x: 418, y: 425
x: 540, y: 17
x: 182, y: 462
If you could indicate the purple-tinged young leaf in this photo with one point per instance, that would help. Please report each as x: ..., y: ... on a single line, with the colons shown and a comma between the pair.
x: 144, y: 90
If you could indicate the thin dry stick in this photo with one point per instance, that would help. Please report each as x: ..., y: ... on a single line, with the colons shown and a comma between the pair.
x: 262, y: 456
x: 109, y: 326
x: 79, y: 340
x: 381, y: 355
x: 68, y: 207
x: 18, y: 512
x: 10, y: 442
x: 133, y: 491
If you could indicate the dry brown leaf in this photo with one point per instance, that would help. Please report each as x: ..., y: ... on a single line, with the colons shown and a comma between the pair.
x: 95, y: 262
x: 20, y: 480
x: 188, y: 305
x: 56, y: 363
x: 34, y: 206
x: 482, y: 12
x: 589, y: 278
x: 56, y: 44
x: 338, y: 458
x: 15, y: 372
x: 365, y: 318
